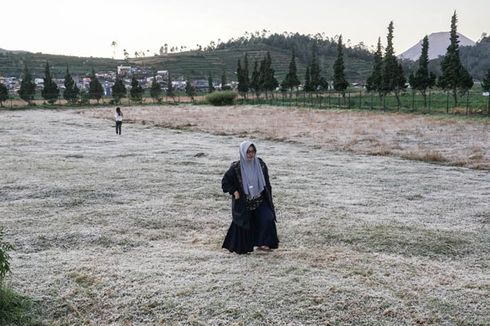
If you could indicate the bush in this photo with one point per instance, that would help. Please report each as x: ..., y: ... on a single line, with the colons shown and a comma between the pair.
x: 5, y: 247
x: 15, y: 309
x: 221, y: 98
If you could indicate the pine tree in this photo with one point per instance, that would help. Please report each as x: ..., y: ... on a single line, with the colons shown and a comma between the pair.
x: 156, y: 90
x: 245, y: 71
x: 170, y: 88
x: 422, y: 79
x: 323, y: 84
x: 291, y: 80
x: 136, y: 92
x: 255, y: 82
x: 307, y: 86
x: 50, y: 91
x: 454, y: 76
x: 486, y: 87
x: 190, y: 90
x: 210, y: 84
x: 71, y: 89
x: 242, y: 75
x: 118, y: 90
x: 340, y: 84
x: 374, y: 82
x: 267, y: 80
x: 224, y: 82
x: 27, y: 87
x: 4, y: 94
x: 314, y: 69
x: 95, y: 90
x: 486, y: 82
x: 392, y: 70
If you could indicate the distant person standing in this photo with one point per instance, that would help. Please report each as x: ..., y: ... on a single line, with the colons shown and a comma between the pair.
x: 119, y: 117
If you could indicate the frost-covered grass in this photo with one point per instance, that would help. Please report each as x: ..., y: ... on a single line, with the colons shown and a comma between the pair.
x: 127, y: 230
x: 444, y: 140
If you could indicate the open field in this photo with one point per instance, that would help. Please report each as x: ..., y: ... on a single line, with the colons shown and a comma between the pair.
x: 127, y: 230
x: 440, y: 139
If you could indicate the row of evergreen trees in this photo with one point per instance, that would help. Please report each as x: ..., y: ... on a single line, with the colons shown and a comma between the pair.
x: 72, y: 94
x: 263, y: 80
x: 388, y: 77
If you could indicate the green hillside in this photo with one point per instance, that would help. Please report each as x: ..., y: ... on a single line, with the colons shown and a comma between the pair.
x: 190, y: 64
x: 12, y: 64
x: 199, y: 64
x: 214, y: 60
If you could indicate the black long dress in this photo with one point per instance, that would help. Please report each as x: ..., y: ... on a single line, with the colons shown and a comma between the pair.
x: 249, y: 228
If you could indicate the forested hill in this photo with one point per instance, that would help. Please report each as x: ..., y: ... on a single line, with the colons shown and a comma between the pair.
x: 214, y: 59
x: 201, y: 62
x: 222, y: 57
x: 12, y: 64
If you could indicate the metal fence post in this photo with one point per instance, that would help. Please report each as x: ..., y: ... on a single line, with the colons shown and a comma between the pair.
x: 447, y: 102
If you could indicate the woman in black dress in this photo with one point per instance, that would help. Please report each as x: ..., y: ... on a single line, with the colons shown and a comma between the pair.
x: 254, y: 217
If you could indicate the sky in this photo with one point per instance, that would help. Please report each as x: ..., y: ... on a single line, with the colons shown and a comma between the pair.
x: 88, y: 27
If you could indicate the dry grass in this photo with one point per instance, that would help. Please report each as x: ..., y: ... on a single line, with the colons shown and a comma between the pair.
x: 430, y: 156
x: 439, y: 140
x: 126, y: 230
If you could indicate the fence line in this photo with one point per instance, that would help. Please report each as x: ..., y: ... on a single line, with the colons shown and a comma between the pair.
x: 435, y: 101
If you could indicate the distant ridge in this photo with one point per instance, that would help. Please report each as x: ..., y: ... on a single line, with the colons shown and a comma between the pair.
x: 438, y: 43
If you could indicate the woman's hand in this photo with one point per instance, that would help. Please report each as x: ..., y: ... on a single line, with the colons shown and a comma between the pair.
x: 236, y: 194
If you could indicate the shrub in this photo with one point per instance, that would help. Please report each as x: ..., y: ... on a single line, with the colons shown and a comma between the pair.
x: 15, y: 309
x: 5, y: 247
x: 221, y: 98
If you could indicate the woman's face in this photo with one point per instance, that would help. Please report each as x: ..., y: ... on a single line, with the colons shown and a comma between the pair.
x: 250, y: 153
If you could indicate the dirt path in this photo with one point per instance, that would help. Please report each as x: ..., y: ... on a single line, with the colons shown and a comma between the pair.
x: 126, y: 230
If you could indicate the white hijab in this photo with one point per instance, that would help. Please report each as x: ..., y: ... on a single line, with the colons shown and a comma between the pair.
x: 252, y: 175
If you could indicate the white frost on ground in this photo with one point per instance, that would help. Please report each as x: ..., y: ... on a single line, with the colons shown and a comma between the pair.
x: 127, y: 230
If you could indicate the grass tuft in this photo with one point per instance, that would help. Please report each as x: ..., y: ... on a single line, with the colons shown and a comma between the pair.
x: 14, y: 308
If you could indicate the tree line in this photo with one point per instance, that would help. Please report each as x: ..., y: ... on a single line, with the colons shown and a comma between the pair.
x: 387, y: 76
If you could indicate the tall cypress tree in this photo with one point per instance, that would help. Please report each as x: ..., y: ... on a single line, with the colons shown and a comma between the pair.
x: 242, y: 75
x: 339, y: 82
x: 255, y: 82
x: 307, y: 86
x: 224, y: 82
x: 170, y: 88
x: 291, y: 80
x: 136, y: 92
x: 210, y: 84
x: 314, y: 69
x: 27, y: 87
x: 262, y: 75
x: 95, y: 90
x: 486, y: 82
x: 4, y: 94
x: 422, y: 79
x: 118, y: 90
x: 245, y: 75
x: 486, y: 87
x: 454, y: 75
x: 374, y: 82
x: 71, y: 89
x: 156, y: 90
x: 268, y: 81
x: 393, y: 79
x: 50, y: 91
x: 190, y: 90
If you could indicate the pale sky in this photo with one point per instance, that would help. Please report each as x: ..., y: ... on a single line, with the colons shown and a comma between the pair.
x: 88, y: 27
